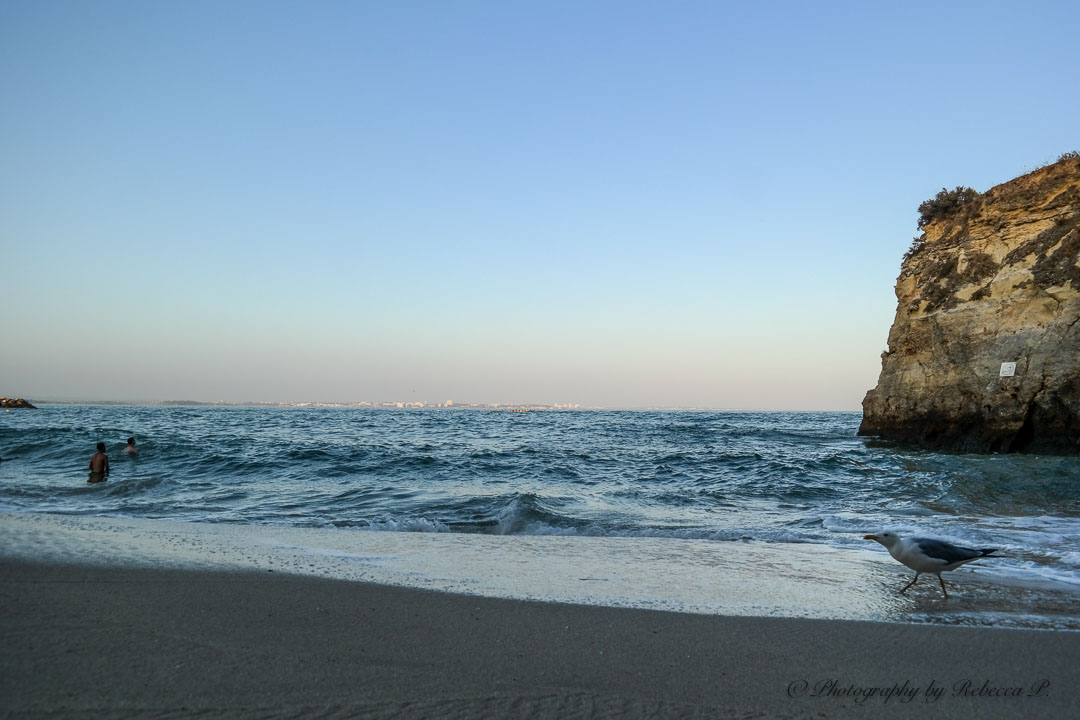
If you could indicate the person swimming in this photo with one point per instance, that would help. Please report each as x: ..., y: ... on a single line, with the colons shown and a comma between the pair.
x: 130, y: 449
x: 99, y: 465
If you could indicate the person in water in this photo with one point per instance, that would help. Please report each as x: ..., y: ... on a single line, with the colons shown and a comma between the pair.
x: 130, y: 449
x: 99, y: 465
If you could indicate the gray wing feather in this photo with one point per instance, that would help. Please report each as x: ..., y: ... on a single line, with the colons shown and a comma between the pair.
x: 946, y: 552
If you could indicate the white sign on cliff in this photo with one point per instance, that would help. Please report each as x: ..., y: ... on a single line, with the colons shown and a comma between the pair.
x: 1008, y: 369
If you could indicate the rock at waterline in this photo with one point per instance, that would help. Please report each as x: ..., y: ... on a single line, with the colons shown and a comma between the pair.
x: 11, y: 403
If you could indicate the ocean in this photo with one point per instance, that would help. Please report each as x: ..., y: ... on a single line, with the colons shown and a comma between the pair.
x: 637, y: 508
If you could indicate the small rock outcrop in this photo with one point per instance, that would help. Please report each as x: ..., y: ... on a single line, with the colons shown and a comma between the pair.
x: 15, y: 403
x: 984, y: 352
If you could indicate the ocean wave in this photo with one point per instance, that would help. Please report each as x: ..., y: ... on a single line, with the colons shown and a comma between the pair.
x: 755, y: 477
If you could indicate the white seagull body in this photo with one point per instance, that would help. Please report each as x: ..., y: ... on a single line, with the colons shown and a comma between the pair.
x: 926, y: 555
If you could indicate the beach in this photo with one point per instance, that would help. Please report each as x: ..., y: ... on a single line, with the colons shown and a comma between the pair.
x: 545, y: 360
x: 120, y: 618
x: 115, y: 642
x: 463, y: 565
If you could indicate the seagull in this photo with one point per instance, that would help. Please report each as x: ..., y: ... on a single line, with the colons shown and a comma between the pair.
x: 926, y: 555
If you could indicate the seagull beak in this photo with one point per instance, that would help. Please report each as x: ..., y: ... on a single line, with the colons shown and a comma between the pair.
x: 870, y: 537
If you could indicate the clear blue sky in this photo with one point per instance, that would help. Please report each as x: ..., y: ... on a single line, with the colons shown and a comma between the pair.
x: 608, y: 203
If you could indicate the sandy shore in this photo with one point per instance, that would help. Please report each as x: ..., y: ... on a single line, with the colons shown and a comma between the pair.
x: 795, y: 580
x: 82, y: 641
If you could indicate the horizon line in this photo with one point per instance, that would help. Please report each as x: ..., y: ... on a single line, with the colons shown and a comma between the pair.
x: 418, y: 405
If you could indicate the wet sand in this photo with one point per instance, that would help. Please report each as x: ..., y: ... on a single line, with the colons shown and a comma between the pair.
x: 83, y: 641
x: 794, y: 580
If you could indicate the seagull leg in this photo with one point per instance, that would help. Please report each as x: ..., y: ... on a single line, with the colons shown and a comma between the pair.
x: 942, y: 586
x: 913, y: 582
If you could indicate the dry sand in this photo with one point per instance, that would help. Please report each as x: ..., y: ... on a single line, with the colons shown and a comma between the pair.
x: 111, y: 642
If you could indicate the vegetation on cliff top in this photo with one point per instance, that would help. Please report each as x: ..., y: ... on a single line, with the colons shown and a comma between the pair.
x: 945, y: 203
x: 941, y: 205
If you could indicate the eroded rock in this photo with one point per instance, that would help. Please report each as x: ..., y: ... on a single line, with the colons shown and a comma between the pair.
x: 995, y: 282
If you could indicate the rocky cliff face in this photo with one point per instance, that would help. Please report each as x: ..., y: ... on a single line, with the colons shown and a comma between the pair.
x: 996, y: 282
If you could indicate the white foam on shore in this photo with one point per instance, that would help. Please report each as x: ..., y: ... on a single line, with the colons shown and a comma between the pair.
x: 698, y: 576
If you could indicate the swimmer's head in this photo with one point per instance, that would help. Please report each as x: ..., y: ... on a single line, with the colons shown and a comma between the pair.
x: 101, y: 447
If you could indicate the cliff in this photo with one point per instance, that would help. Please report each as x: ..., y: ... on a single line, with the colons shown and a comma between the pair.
x: 995, y: 281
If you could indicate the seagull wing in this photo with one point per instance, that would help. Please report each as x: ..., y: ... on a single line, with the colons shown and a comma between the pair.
x: 946, y: 552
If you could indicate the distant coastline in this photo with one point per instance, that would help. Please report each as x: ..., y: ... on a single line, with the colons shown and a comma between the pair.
x: 391, y: 405
x: 360, y: 404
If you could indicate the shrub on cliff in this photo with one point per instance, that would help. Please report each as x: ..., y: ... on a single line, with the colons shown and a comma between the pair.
x: 917, y: 244
x: 945, y: 203
x: 1069, y: 155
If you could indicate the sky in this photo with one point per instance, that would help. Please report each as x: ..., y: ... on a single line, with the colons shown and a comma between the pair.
x: 618, y: 204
